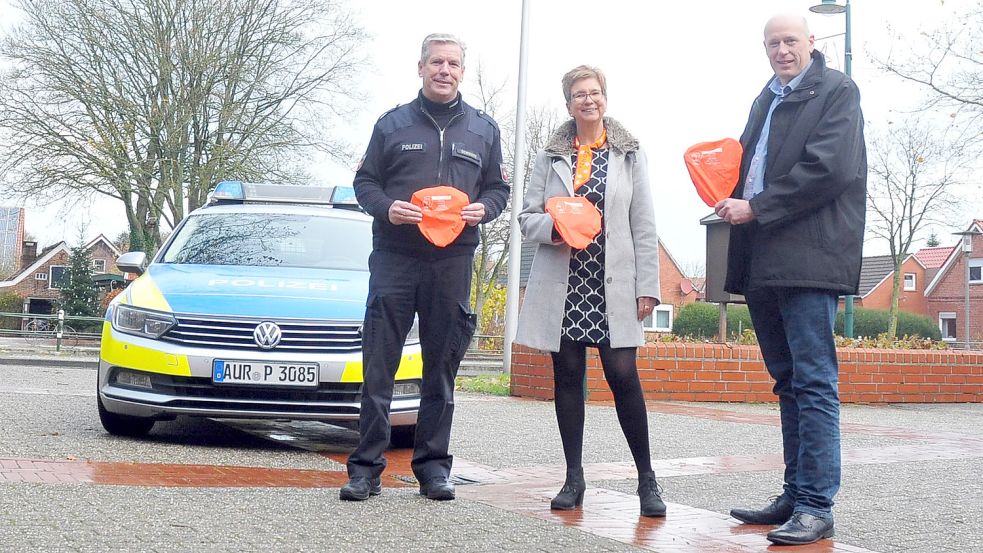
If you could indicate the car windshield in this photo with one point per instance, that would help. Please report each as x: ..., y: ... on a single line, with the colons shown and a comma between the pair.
x: 272, y: 240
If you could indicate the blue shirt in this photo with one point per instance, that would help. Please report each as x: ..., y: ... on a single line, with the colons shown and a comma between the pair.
x: 754, y: 183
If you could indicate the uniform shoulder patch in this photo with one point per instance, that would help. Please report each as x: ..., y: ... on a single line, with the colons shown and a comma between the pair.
x: 381, y: 117
x: 487, y: 117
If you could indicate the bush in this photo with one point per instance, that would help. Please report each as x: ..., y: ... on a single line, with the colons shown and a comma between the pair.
x: 10, y: 302
x: 874, y: 322
x: 696, y: 320
x: 701, y: 321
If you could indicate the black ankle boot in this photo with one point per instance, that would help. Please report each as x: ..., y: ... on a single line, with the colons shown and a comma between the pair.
x: 650, y: 496
x: 572, y: 493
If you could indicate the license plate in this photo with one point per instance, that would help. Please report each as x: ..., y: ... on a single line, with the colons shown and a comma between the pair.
x: 264, y: 373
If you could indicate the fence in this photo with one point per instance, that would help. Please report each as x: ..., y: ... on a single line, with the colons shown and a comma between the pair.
x: 46, y: 331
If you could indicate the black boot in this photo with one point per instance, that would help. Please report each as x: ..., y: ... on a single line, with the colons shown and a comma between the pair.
x: 572, y: 493
x: 650, y: 496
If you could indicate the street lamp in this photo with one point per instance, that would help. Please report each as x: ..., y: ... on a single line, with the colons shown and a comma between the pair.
x: 967, y: 241
x: 830, y: 7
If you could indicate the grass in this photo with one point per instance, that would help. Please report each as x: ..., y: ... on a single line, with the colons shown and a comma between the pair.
x: 492, y: 384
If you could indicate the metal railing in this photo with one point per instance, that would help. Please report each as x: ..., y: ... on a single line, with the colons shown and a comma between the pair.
x: 485, y: 344
x: 51, y: 331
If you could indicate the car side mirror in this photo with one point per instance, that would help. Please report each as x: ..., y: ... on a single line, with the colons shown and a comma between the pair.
x: 132, y: 262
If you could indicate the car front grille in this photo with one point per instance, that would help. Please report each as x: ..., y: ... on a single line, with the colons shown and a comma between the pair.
x: 237, y: 333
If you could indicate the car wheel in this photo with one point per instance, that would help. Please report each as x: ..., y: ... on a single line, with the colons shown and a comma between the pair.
x: 401, y: 437
x: 123, y: 425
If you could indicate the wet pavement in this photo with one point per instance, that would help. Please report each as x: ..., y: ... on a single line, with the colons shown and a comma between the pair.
x: 911, y: 480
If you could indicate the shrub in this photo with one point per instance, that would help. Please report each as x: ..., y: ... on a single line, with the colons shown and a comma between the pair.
x: 696, y: 320
x: 10, y: 302
x: 701, y: 321
x: 874, y: 322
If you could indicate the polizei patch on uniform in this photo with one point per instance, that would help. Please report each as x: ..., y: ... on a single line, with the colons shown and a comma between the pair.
x: 417, y: 147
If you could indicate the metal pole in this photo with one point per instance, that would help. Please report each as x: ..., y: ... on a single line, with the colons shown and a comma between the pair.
x: 848, y: 51
x: 61, y: 328
x: 848, y: 67
x: 518, y: 179
x: 966, y: 253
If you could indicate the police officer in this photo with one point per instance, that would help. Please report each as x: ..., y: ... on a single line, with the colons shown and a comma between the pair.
x: 437, y: 139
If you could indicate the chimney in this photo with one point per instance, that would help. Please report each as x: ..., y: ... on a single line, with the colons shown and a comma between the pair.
x: 29, y: 254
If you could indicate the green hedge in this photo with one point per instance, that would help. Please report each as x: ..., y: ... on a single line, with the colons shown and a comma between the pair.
x: 699, y: 320
x: 871, y: 322
x: 10, y: 302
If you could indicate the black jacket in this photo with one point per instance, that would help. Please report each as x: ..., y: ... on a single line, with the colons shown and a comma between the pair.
x: 809, y: 224
x: 406, y: 153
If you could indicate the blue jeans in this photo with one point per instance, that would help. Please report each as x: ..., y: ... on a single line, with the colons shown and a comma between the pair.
x: 795, y: 331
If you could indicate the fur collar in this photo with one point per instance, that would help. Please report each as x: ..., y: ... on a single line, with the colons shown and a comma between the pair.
x: 561, y: 142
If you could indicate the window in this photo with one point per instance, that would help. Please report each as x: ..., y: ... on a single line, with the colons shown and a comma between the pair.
x: 976, y: 271
x: 660, y: 320
x: 271, y: 240
x: 947, y: 324
x: 41, y: 276
x: 98, y: 266
x: 909, y: 282
x: 57, y: 276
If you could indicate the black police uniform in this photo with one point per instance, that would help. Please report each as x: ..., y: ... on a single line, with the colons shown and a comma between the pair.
x: 415, y: 146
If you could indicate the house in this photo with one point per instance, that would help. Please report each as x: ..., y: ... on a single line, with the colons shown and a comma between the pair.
x: 945, y: 295
x: 877, y: 282
x: 677, y: 289
x: 41, y: 277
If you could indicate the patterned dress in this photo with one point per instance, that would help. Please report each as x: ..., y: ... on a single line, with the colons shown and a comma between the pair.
x: 585, y: 318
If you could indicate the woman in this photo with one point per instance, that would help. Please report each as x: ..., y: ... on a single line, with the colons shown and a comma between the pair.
x: 596, y: 296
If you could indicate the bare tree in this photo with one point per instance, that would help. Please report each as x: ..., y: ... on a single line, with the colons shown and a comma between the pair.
x: 948, y: 64
x: 153, y: 101
x: 914, y: 168
x: 493, y: 250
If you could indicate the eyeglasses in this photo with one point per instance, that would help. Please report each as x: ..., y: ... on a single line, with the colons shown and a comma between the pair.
x: 581, y: 97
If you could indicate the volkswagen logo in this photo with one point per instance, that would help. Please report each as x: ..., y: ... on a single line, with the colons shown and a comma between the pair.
x: 267, y: 335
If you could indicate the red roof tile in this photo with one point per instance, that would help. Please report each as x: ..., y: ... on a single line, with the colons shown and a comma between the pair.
x: 933, y: 258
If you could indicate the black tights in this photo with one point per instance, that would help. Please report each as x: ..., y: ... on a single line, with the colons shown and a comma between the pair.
x: 569, y: 367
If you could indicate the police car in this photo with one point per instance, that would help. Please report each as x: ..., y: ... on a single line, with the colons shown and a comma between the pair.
x: 251, y: 309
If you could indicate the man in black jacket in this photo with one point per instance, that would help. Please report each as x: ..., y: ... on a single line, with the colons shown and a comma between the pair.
x: 795, y: 246
x: 435, y: 140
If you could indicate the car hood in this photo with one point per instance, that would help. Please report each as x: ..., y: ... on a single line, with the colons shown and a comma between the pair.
x: 273, y: 292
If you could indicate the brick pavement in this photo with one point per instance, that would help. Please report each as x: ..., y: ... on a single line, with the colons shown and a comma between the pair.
x: 610, y: 513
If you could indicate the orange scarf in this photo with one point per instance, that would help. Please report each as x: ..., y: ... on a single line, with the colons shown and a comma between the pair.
x: 585, y: 159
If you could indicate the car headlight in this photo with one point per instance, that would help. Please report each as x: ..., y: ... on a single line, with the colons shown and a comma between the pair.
x: 413, y: 337
x: 133, y: 320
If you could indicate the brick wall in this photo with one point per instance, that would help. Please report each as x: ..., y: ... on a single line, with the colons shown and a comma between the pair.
x: 721, y: 372
x: 949, y: 295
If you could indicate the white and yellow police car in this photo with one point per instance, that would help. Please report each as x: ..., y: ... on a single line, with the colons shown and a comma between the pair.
x: 251, y: 309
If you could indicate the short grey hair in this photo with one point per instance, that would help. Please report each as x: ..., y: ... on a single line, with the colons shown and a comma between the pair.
x: 439, y: 38
x: 583, y: 72
x: 788, y: 17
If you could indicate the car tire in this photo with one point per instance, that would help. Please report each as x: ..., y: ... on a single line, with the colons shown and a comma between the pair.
x: 401, y: 437
x: 123, y: 425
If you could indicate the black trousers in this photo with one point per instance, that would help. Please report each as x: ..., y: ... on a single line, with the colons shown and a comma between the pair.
x: 437, y: 291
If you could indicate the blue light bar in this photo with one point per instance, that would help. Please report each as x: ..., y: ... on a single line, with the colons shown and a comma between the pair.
x: 343, y: 195
x: 226, y: 190
x: 252, y: 192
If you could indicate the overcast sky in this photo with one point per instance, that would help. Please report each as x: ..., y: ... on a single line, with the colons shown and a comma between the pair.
x: 678, y: 73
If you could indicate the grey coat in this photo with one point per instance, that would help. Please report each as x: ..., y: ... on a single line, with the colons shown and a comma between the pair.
x: 631, y: 267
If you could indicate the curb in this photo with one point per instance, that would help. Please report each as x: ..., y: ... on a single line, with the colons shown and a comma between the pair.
x: 38, y: 361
